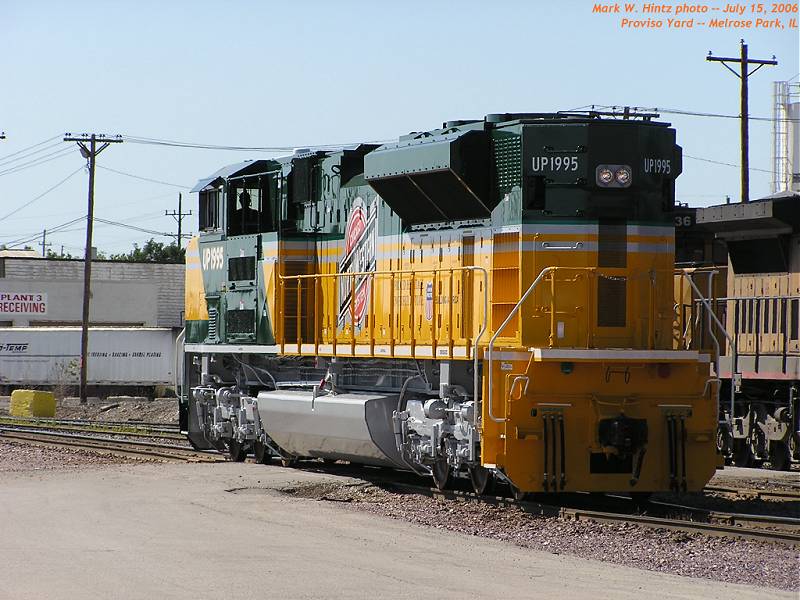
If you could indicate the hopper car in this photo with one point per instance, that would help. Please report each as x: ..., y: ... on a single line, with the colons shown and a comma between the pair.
x: 491, y: 299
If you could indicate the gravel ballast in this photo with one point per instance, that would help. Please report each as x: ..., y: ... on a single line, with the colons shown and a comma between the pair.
x: 688, y: 554
x: 23, y: 457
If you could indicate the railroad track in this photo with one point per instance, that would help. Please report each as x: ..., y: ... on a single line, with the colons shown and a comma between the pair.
x: 748, y: 526
x: 754, y: 527
x: 756, y: 494
x: 117, y: 447
x: 127, y: 428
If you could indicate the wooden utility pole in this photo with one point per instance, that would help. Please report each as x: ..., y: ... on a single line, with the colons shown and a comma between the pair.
x: 44, y: 243
x: 178, y: 216
x: 744, y: 73
x: 90, y: 154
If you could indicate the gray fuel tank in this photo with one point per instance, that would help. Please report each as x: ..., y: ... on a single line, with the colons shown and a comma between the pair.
x: 356, y: 427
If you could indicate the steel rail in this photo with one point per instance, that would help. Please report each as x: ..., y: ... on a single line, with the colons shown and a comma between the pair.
x: 131, y: 431
x: 712, y: 529
x: 150, y: 424
x: 777, y: 495
x: 124, y: 447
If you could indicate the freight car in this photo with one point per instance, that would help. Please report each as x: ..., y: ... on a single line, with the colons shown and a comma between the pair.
x: 491, y: 299
x: 760, y: 346
x: 119, y: 357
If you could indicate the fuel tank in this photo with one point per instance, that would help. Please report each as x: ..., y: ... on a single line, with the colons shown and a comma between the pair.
x: 355, y: 426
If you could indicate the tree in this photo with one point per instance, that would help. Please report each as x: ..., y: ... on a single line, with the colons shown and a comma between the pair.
x: 65, y: 256
x: 153, y: 251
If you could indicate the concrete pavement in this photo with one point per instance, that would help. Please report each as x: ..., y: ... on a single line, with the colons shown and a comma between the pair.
x: 174, y: 532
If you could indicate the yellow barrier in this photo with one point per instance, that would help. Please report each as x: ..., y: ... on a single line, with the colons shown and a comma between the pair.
x: 32, y: 403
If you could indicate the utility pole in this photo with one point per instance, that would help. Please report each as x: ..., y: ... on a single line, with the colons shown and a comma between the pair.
x: 44, y: 243
x: 90, y: 154
x: 178, y: 216
x: 743, y: 75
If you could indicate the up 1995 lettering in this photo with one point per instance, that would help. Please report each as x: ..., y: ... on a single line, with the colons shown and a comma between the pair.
x: 657, y: 166
x: 555, y: 163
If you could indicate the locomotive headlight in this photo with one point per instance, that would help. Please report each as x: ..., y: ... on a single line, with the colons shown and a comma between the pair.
x: 613, y: 176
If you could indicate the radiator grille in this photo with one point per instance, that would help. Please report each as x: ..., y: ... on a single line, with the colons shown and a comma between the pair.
x: 508, y: 161
x: 611, y: 305
x: 240, y: 321
x: 241, y: 268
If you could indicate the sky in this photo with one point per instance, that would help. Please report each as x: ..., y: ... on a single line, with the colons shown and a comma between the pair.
x: 295, y: 74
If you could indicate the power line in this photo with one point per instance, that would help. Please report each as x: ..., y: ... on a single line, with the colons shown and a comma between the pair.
x: 19, y: 157
x: 127, y: 226
x: 29, y: 238
x: 178, y: 144
x: 185, y: 187
x: 727, y: 164
x: 3, y: 158
x: 29, y: 202
x: 36, y: 162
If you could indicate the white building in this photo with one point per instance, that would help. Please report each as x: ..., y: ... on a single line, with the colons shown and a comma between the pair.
x: 40, y: 292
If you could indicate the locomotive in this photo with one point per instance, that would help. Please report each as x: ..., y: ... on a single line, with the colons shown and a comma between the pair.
x: 755, y: 339
x: 491, y: 300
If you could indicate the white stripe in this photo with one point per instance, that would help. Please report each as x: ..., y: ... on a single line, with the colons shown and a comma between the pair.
x: 540, y: 354
x: 230, y: 348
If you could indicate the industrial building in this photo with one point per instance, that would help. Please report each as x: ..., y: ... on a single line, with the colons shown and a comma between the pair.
x: 43, y: 292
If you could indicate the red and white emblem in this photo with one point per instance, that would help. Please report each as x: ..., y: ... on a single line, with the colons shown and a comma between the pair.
x: 360, y: 243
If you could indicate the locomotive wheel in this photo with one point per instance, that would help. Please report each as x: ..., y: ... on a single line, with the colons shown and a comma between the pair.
x: 441, y: 472
x: 742, y: 456
x: 758, y: 445
x: 261, y: 453
x: 779, y: 458
x: 237, y: 451
x: 518, y: 494
x: 482, y: 479
x: 723, y: 442
x: 288, y: 461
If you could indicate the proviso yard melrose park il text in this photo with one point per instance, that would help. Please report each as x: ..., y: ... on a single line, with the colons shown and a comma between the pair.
x: 683, y: 15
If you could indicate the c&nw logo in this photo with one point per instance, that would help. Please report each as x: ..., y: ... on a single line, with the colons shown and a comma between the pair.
x: 360, y: 239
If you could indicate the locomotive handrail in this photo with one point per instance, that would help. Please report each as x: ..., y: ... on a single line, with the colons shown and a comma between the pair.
x: 412, y: 272
x: 544, y: 272
x: 178, y: 366
x: 500, y: 329
x: 731, y: 340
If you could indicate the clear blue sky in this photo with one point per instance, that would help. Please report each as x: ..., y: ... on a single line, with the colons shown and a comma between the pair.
x: 262, y: 73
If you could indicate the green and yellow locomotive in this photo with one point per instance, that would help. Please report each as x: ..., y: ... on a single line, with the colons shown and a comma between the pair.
x: 492, y: 299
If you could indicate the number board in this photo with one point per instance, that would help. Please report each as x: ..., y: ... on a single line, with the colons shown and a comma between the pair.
x: 684, y: 220
x: 557, y: 164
